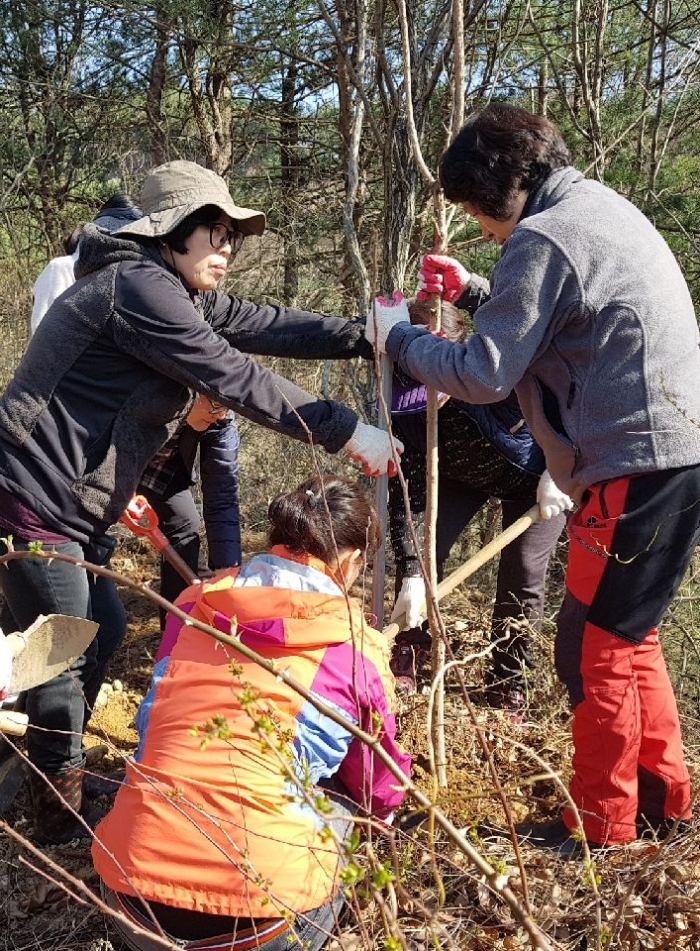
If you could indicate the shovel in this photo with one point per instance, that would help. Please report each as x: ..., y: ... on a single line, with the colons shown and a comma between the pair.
x: 47, y: 648
x: 140, y: 517
x: 475, y: 562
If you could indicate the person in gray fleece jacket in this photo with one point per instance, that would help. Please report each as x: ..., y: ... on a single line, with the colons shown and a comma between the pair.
x: 104, y: 383
x: 590, y: 321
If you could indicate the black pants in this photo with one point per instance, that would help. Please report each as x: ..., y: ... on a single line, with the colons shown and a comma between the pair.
x: 59, y: 709
x: 522, y: 570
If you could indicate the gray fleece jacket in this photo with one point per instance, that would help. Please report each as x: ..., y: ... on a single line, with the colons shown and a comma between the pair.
x: 107, y: 377
x: 591, y: 322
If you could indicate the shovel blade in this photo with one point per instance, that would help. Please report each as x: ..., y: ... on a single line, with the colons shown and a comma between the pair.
x: 47, y: 648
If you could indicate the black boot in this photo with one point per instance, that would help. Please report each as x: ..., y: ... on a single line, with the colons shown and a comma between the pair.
x: 54, y: 822
x: 410, y: 653
x: 660, y: 829
x: 96, y: 785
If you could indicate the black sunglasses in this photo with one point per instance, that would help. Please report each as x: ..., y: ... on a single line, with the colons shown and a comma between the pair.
x: 220, y: 236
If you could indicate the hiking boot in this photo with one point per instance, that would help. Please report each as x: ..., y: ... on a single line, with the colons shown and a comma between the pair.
x: 661, y: 829
x: 507, y: 697
x: 93, y: 755
x: 553, y: 836
x: 501, y: 696
x: 411, y: 651
x: 54, y: 822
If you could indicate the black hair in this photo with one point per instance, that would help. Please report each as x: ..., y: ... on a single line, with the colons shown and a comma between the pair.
x: 70, y: 242
x: 322, y: 513
x: 206, y: 215
x: 498, y: 152
x: 119, y: 201
x: 117, y: 211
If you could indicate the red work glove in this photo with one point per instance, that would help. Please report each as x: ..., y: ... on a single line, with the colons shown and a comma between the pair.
x: 441, y: 275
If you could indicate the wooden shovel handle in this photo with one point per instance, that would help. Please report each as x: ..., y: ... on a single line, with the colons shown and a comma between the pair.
x: 475, y: 562
x: 12, y: 723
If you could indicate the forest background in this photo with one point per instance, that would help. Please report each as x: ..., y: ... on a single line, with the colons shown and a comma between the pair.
x: 331, y: 118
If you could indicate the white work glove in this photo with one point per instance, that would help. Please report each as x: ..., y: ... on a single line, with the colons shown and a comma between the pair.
x: 5, y: 667
x: 551, y: 500
x: 410, y: 600
x: 372, y: 447
x: 385, y: 314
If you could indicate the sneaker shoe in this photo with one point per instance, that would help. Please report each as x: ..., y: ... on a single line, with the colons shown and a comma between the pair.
x: 409, y: 654
x: 553, y: 836
x: 510, y: 699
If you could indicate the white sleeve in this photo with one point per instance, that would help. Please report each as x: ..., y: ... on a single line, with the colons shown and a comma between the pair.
x: 56, y: 278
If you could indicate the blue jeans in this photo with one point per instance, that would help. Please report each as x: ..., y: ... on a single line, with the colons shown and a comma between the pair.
x: 59, y: 709
x: 178, y: 516
x: 310, y: 931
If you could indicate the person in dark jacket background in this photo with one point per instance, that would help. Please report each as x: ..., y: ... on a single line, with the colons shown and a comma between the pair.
x: 105, y: 381
x: 205, y: 449
x: 484, y: 452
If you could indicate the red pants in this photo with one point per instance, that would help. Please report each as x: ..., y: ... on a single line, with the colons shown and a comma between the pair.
x: 630, y: 544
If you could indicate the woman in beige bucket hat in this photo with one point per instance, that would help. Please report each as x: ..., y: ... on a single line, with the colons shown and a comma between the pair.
x: 174, y: 191
x: 104, y: 384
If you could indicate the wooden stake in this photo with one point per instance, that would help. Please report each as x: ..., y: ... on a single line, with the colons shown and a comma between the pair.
x: 431, y: 513
x: 384, y: 370
x: 385, y: 367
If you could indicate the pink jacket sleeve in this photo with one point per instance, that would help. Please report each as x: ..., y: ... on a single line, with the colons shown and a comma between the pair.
x: 368, y: 780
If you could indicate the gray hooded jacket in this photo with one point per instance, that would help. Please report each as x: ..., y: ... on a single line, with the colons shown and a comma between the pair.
x: 109, y: 373
x: 591, y: 322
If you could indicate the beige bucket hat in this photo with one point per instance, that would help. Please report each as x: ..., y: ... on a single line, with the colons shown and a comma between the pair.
x: 173, y: 191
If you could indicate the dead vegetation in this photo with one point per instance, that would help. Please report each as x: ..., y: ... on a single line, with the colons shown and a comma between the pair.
x: 420, y: 890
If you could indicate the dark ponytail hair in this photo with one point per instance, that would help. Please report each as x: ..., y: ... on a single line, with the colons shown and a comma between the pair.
x: 324, y: 514
x: 498, y: 152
